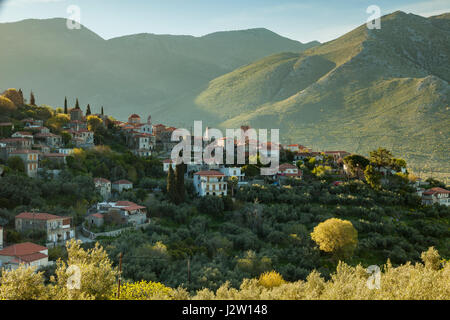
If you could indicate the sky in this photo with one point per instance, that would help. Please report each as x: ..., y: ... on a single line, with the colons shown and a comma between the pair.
x: 299, y: 20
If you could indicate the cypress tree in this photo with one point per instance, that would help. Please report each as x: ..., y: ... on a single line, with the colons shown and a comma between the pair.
x: 179, y: 178
x: 103, y: 113
x: 77, y: 104
x: 21, y: 95
x: 88, y: 111
x: 66, y: 111
x: 171, y: 185
x: 32, y: 99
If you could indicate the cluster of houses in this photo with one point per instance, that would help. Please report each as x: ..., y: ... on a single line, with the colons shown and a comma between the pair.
x: 144, y: 137
x: 119, y: 213
x: 57, y: 231
x: 36, y: 143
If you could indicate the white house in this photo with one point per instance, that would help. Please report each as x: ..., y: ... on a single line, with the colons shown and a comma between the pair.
x: 122, y: 185
x: 234, y: 172
x: 210, y: 183
x: 28, y: 254
x: 436, y: 195
x: 104, y: 186
x: 167, y: 163
x: 66, y: 151
x: 289, y: 170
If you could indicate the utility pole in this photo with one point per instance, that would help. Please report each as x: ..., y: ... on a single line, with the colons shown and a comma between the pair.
x: 189, y: 270
x: 120, y: 275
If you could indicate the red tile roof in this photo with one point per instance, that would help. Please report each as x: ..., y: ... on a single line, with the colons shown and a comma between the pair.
x: 23, y: 133
x: 133, y: 207
x: 45, y: 135
x: 210, y: 173
x: 123, y: 182
x: 24, y: 152
x: 55, y: 155
x: 97, y: 215
x: 22, y: 249
x: 125, y: 204
x: 436, y: 190
x: 37, y: 216
x: 29, y: 257
x: 133, y: 116
x: 286, y: 166
x: 103, y: 180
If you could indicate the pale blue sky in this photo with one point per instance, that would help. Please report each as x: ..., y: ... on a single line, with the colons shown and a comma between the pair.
x: 300, y: 20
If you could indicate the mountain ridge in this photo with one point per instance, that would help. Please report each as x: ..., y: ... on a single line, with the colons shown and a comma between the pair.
x: 364, y: 82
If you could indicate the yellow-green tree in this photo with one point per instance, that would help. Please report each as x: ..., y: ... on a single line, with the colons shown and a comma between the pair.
x: 271, y: 279
x: 6, y: 105
x: 143, y: 291
x: 94, y: 123
x: 337, y: 237
x: 58, y: 121
x: 15, y: 96
x: 94, y: 270
x: 22, y: 284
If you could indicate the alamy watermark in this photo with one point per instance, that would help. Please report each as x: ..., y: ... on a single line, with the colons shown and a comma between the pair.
x: 374, y: 281
x: 239, y: 145
x: 374, y: 21
x: 74, y: 20
x: 74, y: 280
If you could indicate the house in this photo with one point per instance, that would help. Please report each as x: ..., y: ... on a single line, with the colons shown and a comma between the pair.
x: 436, y: 196
x: 30, y: 159
x: 159, y: 128
x: 1, y: 237
x: 22, y: 134
x: 27, y: 254
x: 122, y: 185
x: 234, y: 172
x: 77, y: 125
x: 131, y: 212
x: 210, y: 183
x: 49, y: 139
x: 96, y: 219
x: 6, y: 128
x: 66, y: 151
x: 18, y: 143
x: 58, y: 229
x: 295, y: 148
x: 41, y: 148
x: 134, y: 119
x: 82, y: 138
x: 104, y: 187
x: 167, y: 164
x: 289, y: 170
x: 54, y: 157
x: 32, y: 123
x: 76, y: 114
x: 144, y: 128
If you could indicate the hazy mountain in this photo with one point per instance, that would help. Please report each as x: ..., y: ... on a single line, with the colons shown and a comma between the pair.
x: 368, y: 88
x: 138, y: 73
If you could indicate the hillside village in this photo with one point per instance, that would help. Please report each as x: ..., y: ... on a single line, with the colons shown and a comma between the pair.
x: 38, y: 148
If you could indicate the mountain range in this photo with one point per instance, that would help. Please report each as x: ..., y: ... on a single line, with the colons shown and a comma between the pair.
x: 368, y: 88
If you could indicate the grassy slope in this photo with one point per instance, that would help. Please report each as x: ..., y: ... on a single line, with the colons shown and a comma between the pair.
x: 385, y: 87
